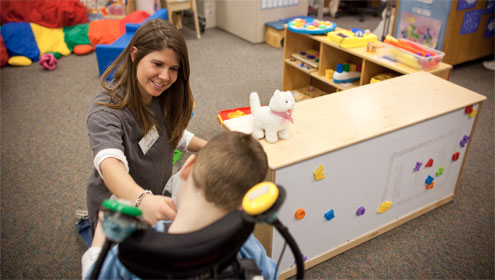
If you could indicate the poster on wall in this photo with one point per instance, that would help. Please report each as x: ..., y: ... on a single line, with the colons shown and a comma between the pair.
x: 465, y: 4
x: 471, y: 21
x: 490, y: 28
x: 420, y: 29
x: 424, y: 19
x: 490, y: 7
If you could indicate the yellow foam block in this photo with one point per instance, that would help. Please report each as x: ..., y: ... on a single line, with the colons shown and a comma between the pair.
x: 50, y: 39
x: 329, y: 73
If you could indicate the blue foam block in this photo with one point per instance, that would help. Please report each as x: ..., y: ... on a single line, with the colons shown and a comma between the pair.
x: 107, y: 53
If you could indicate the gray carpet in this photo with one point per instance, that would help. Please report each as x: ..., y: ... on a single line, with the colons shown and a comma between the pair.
x: 46, y: 160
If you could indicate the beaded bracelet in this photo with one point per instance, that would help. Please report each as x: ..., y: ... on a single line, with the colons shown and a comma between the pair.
x: 141, y: 196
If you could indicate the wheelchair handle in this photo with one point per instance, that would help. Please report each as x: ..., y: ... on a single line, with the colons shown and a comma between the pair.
x: 261, y: 204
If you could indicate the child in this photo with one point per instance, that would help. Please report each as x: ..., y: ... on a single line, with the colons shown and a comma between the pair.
x: 214, y: 184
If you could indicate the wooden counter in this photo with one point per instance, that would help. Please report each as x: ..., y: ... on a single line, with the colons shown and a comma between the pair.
x: 337, y: 120
x: 367, y: 140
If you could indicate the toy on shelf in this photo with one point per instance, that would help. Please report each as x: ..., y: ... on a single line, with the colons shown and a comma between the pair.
x: 346, y: 73
x: 310, y: 57
x: 232, y: 113
x: 351, y: 38
x: 311, y: 26
x: 306, y: 93
x: 382, y: 77
x: 413, y: 54
x: 372, y: 46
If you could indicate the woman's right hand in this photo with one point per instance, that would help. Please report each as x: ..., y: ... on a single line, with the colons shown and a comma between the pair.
x: 157, y: 207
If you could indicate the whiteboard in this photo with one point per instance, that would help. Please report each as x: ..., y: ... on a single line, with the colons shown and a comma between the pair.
x: 365, y: 175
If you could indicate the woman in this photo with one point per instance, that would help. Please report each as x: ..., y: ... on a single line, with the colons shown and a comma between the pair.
x: 137, y: 122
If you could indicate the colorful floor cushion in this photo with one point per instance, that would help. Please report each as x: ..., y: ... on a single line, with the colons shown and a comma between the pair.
x: 19, y: 61
x: 76, y: 35
x: 4, y: 56
x: 19, y: 40
x: 83, y: 49
x: 104, y: 31
x: 50, y: 39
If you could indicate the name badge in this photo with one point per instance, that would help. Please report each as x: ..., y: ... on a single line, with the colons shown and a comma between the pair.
x: 148, y: 140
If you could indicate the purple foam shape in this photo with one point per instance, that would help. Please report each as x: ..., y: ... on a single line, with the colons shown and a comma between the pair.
x: 304, y: 258
x: 360, y: 211
x: 418, y: 165
x: 463, y: 143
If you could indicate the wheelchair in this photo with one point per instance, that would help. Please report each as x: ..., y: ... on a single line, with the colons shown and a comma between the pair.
x: 209, y: 253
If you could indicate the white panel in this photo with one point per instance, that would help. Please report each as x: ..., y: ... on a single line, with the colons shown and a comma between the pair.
x: 367, y: 174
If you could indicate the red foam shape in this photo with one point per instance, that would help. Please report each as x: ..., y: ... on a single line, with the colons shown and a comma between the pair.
x: 469, y: 109
x: 429, y: 163
x: 455, y: 156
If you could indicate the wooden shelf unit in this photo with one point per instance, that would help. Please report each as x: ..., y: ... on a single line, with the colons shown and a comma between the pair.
x: 296, y: 77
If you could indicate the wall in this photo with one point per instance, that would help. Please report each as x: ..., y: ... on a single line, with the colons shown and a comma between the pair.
x: 246, y: 19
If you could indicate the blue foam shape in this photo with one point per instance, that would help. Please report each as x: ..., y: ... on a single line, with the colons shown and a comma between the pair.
x: 429, y: 179
x: 329, y: 215
x: 107, y: 53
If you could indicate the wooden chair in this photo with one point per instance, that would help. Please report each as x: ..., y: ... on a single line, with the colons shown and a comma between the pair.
x: 176, y: 10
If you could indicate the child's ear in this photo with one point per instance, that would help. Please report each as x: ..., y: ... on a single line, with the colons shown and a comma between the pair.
x: 186, y: 169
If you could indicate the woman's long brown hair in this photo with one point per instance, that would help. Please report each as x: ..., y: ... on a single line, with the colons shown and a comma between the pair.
x: 176, y: 101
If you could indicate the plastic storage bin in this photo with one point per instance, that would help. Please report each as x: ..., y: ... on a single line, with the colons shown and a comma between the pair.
x: 415, y: 60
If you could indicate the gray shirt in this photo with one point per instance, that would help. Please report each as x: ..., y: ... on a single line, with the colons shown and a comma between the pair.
x: 118, y: 129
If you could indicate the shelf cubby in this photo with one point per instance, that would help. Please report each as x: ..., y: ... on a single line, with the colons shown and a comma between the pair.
x: 296, y: 77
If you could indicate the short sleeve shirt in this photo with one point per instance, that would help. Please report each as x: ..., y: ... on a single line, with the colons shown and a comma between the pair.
x: 118, y: 129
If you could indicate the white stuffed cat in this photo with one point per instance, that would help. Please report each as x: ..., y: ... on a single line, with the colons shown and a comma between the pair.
x: 272, y: 121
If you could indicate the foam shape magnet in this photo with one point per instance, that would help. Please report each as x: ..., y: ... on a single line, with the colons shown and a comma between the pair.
x: 473, y: 113
x: 384, y: 207
x: 430, y: 186
x: 300, y: 213
x: 418, y: 165
x: 464, y: 140
x: 303, y: 257
x: 429, y: 179
x: 439, y: 171
x: 360, y: 211
x: 455, y: 156
x: 329, y: 215
x: 469, y: 109
x: 429, y: 163
x: 319, y: 174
